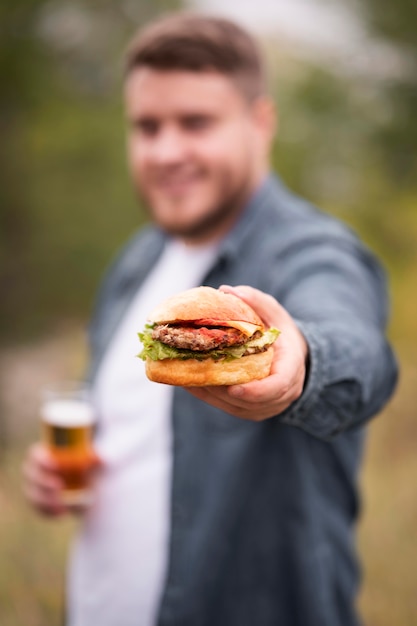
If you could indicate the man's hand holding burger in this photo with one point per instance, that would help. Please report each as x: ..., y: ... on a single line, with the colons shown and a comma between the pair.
x: 260, y: 399
x: 221, y: 345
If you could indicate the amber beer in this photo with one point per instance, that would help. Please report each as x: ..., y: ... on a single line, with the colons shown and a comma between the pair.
x: 67, y: 422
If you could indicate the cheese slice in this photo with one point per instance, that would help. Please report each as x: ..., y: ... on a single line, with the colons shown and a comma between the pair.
x: 245, y: 327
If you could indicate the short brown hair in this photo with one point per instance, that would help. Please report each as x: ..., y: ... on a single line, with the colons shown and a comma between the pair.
x: 199, y: 43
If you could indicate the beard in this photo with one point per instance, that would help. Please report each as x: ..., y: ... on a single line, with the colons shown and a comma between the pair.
x: 231, y: 203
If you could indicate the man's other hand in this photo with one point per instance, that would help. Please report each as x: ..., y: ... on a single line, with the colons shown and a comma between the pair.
x: 42, y: 483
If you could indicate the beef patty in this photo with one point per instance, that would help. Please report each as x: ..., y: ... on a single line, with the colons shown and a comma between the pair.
x: 199, y: 338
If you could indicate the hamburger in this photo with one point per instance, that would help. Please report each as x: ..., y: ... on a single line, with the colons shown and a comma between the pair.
x: 204, y: 336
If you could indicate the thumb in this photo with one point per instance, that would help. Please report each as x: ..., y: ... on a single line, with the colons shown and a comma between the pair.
x: 268, y: 309
x: 96, y: 462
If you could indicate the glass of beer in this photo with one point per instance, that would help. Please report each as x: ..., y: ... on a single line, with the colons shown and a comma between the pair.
x: 68, y: 417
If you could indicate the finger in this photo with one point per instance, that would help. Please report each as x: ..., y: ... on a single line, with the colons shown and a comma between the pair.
x: 253, y: 412
x: 42, y: 457
x: 96, y: 462
x: 45, y: 503
x: 45, y: 476
x: 265, y: 391
x: 218, y: 396
x: 285, y: 381
x: 238, y: 408
x: 274, y: 404
x: 264, y: 304
x: 43, y: 488
x: 272, y: 389
x: 41, y: 480
x: 203, y: 393
x: 257, y: 399
x: 216, y: 400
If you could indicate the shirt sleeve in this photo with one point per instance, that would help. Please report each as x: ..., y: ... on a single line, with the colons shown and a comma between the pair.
x: 336, y: 292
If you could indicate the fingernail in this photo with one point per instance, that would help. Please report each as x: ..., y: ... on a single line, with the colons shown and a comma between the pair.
x: 233, y: 290
x: 236, y: 391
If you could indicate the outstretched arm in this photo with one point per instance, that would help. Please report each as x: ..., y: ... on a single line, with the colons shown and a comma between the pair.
x: 333, y: 368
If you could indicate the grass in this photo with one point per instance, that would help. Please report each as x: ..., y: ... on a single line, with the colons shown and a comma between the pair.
x: 387, y: 537
x: 33, y: 555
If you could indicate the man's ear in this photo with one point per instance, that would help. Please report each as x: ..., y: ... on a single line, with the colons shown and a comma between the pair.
x: 265, y: 117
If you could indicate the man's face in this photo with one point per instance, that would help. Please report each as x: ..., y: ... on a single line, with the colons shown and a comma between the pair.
x: 196, y: 148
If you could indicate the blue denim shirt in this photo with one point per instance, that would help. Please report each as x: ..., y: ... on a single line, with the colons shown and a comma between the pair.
x: 263, y: 514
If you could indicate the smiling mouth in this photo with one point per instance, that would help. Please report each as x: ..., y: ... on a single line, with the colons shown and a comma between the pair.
x: 175, y: 191
x: 176, y: 182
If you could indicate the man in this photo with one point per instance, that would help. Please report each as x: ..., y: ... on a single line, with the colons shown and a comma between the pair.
x: 228, y: 506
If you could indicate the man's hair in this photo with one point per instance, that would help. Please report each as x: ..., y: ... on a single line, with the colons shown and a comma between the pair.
x: 199, y: 43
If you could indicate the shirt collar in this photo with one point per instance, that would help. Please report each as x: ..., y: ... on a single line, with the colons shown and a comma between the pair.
x: 248, y: 221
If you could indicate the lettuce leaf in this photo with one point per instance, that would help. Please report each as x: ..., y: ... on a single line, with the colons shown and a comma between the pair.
x: 158, y: 351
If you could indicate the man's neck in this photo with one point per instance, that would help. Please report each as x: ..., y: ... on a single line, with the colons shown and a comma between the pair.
x: 217, y: 233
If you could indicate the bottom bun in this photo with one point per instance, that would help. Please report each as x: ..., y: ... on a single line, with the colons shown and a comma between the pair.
x: 194, y: 373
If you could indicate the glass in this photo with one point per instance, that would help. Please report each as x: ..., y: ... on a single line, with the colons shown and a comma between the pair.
x: 68, y: 418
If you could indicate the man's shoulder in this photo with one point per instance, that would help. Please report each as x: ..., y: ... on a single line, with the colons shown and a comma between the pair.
x: 296, y: 218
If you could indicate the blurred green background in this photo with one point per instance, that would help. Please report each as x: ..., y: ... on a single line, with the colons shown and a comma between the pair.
x: 347, y: 141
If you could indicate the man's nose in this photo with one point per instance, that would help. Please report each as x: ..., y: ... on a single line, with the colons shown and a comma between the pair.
x: 169, y: 147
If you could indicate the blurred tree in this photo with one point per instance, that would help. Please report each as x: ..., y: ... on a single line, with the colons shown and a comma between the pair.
x: 22, y: 67
x: 397, y: 24
x: 321, y: 134
x: 59, y: 67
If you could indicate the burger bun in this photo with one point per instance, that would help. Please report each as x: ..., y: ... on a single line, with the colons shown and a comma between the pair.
x: 203, y: 303
x: 209, y: 372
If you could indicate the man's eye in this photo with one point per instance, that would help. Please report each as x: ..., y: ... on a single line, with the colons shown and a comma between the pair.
x: 148, y: 128
x: 197, y: 123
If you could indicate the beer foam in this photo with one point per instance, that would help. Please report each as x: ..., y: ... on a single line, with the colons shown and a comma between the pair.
x: 67, y: 413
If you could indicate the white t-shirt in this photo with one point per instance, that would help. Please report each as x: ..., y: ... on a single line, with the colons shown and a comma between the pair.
x: 119, y: 560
